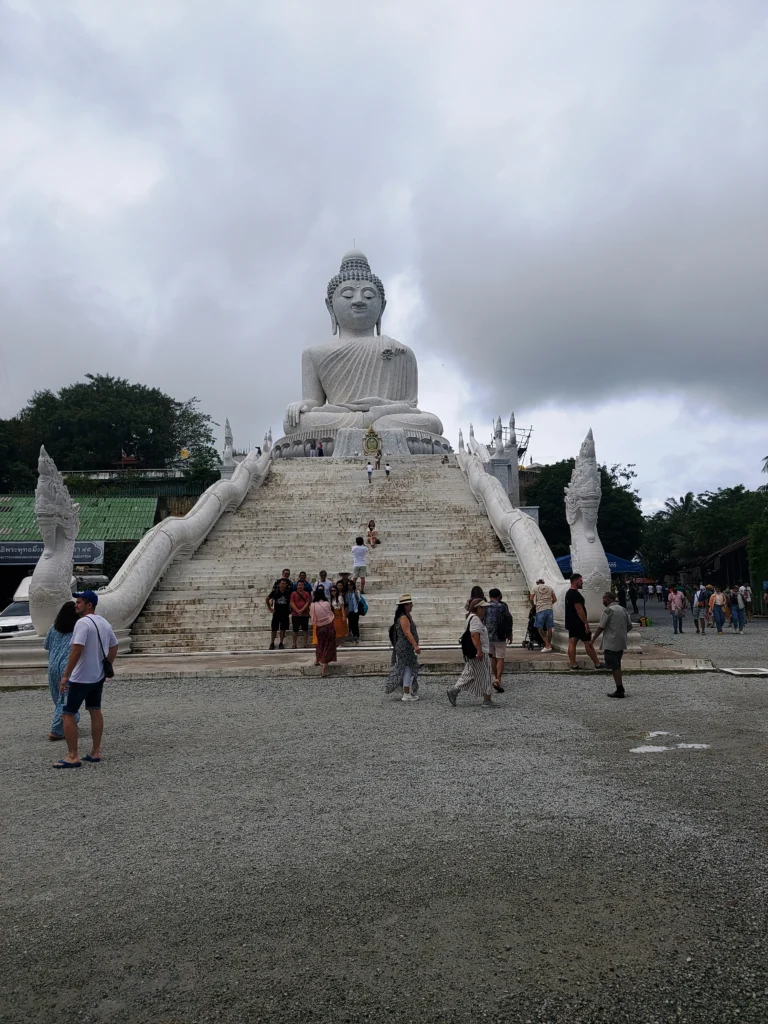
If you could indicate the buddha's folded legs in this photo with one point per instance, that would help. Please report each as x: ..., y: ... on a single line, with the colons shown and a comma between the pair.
x: 319, y: 419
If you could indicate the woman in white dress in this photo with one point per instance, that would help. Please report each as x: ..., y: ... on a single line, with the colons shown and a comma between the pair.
x: 476, y: 677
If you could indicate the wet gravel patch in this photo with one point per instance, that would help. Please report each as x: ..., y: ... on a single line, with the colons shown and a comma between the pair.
x: 298, y: 851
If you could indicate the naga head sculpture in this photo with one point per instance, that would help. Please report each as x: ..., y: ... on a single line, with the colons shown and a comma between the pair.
x: 355, y: 298
x: 583, y: 493
x: 54, y: 509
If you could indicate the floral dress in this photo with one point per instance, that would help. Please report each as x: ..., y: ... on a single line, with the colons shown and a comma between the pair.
x: 403, y: 657
x: 58, y: 646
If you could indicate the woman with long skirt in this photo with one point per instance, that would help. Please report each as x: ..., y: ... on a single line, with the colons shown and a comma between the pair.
x: 58, y: 641
x: 405, y: 648
x: 476, y: 677
x: 321, y: 614
x: 339, y: 608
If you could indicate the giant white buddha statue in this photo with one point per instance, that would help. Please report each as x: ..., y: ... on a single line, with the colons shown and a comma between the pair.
x: 361, y: 377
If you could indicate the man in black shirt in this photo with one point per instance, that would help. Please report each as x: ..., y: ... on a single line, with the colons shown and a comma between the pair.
x: 577, y: 624
x: 279, y: 603
x: 285, y: 575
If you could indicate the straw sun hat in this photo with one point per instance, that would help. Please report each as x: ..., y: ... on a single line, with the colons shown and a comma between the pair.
x: 405, y: 599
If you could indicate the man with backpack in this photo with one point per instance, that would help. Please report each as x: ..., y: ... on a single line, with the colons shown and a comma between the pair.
x: 700, y: 605
x: 498, y: 621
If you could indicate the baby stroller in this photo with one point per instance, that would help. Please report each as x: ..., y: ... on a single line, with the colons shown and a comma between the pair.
x: 533, y: 637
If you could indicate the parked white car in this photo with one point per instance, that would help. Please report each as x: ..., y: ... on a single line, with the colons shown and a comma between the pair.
x: 15, y: 618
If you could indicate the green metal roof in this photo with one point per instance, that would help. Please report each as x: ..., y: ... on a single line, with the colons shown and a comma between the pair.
x: 106, y: 518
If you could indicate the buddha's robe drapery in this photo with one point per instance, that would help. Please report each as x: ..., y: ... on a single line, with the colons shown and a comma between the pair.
x: 369, y: 380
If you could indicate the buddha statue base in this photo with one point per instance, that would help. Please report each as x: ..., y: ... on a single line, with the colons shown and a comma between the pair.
x: 348, y: 443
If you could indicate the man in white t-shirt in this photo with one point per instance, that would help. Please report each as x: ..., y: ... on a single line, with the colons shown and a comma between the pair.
x: 359, y: 562
x: 369, y: 471
x: 93, y: 643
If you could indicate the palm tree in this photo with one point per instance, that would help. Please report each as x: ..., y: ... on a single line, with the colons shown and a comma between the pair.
x: 764, y: 487
x: 682, y: 506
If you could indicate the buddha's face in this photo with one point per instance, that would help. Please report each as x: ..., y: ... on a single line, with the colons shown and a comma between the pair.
x: 357, y: 305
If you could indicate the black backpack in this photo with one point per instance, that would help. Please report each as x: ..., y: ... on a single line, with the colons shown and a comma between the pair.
x: 504, y: 627
x: 468, y: 648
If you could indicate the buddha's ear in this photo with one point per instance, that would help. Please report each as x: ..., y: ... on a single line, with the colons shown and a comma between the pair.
x: 334, y: 321
x: 381, y: 314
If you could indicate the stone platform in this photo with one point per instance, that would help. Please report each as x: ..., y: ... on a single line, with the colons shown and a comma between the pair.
x: 347, y: 442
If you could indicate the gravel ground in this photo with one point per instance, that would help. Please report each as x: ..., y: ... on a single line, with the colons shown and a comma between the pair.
x: 730, y: 650
x: 288, y: 851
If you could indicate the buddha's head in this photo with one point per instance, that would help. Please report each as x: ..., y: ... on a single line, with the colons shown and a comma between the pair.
x: 356, y: 297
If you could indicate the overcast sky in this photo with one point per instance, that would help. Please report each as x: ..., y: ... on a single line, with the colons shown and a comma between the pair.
x: 567, y: 202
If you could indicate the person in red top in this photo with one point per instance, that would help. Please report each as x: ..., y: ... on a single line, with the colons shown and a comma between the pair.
x: 301, y: 598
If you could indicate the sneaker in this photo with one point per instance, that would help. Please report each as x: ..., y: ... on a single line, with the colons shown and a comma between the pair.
x: 617, y: 693
x: 741, y: 631
x: 575, y: 668
x: 280, y: 647
x: 452, y: 696
x: 547, y: 650
x: 271, y: 647
x: 409, y: 697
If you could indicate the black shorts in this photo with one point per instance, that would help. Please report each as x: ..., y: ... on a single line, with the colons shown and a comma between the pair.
x: 280, y: 619
x: 300, y: 623
x: 79, y: 692
x: 612, y: 659
x: 580, y: 631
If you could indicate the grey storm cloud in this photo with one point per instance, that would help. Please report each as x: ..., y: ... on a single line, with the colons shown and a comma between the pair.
x: 578, y: 193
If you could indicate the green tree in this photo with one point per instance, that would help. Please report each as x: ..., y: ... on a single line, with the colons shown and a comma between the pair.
x: 620, y: 520
x: 89, y: 425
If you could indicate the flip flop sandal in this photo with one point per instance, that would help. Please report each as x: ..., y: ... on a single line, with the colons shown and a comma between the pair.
x: 53, y: 738
x: 93, y: 760
x: 61, y: 763
x: 497, y: 688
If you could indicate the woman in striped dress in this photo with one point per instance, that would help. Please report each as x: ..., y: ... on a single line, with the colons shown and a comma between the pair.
x: 476, y: 677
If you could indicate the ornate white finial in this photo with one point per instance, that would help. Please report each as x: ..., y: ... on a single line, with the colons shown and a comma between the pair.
x: 58, y: 519
x: 512, y: 439
x: 471, y: 432
x: 461, y: 441
x: 228, y: 444
x: 497, y: 435
x: 583, y: 493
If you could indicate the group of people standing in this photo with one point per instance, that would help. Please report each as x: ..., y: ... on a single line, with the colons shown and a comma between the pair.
x: 712, y: 607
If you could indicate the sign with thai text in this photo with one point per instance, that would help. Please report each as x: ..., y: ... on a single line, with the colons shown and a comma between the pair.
x: 28, y: 552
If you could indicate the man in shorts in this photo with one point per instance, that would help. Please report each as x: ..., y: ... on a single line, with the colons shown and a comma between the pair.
x: 543, y: 598
x: 700, y: 607
x: 577, y: 624
x: 498, y: 622
x: 615, y: 623
x: 359, y: 562
x: 279, y: 603
x: 93, y: 640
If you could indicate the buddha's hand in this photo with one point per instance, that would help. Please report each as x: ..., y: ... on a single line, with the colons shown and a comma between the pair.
x: 294, y: 411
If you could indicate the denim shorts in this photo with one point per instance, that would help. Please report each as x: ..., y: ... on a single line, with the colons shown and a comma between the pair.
x: 545, y: 619
x: 79, y: 692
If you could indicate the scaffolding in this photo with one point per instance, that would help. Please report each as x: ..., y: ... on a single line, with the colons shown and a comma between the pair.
x: 523, y: 440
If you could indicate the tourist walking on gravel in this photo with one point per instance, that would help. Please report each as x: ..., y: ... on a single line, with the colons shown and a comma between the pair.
x: 543, y: 598
x: 738, y: 617
x: 700, y: 606
x: 746, y: 592
x: 498, y: 622
x: 633, y: 595
x: 660, y: 593
x: 577, y: 624
x: 615, y: 623
x: 300, y: 600
x: 321, y: 616
x: 94, y: 649
x: 352, y: 600
x: 58, y: 641
x: 476, y: 677
x: 717, y: 606
x: 676, y: 606
x: 405, y: 650
x: 359, y: 562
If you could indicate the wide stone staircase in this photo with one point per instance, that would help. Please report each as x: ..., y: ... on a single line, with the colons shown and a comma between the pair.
x: 436, y: 543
